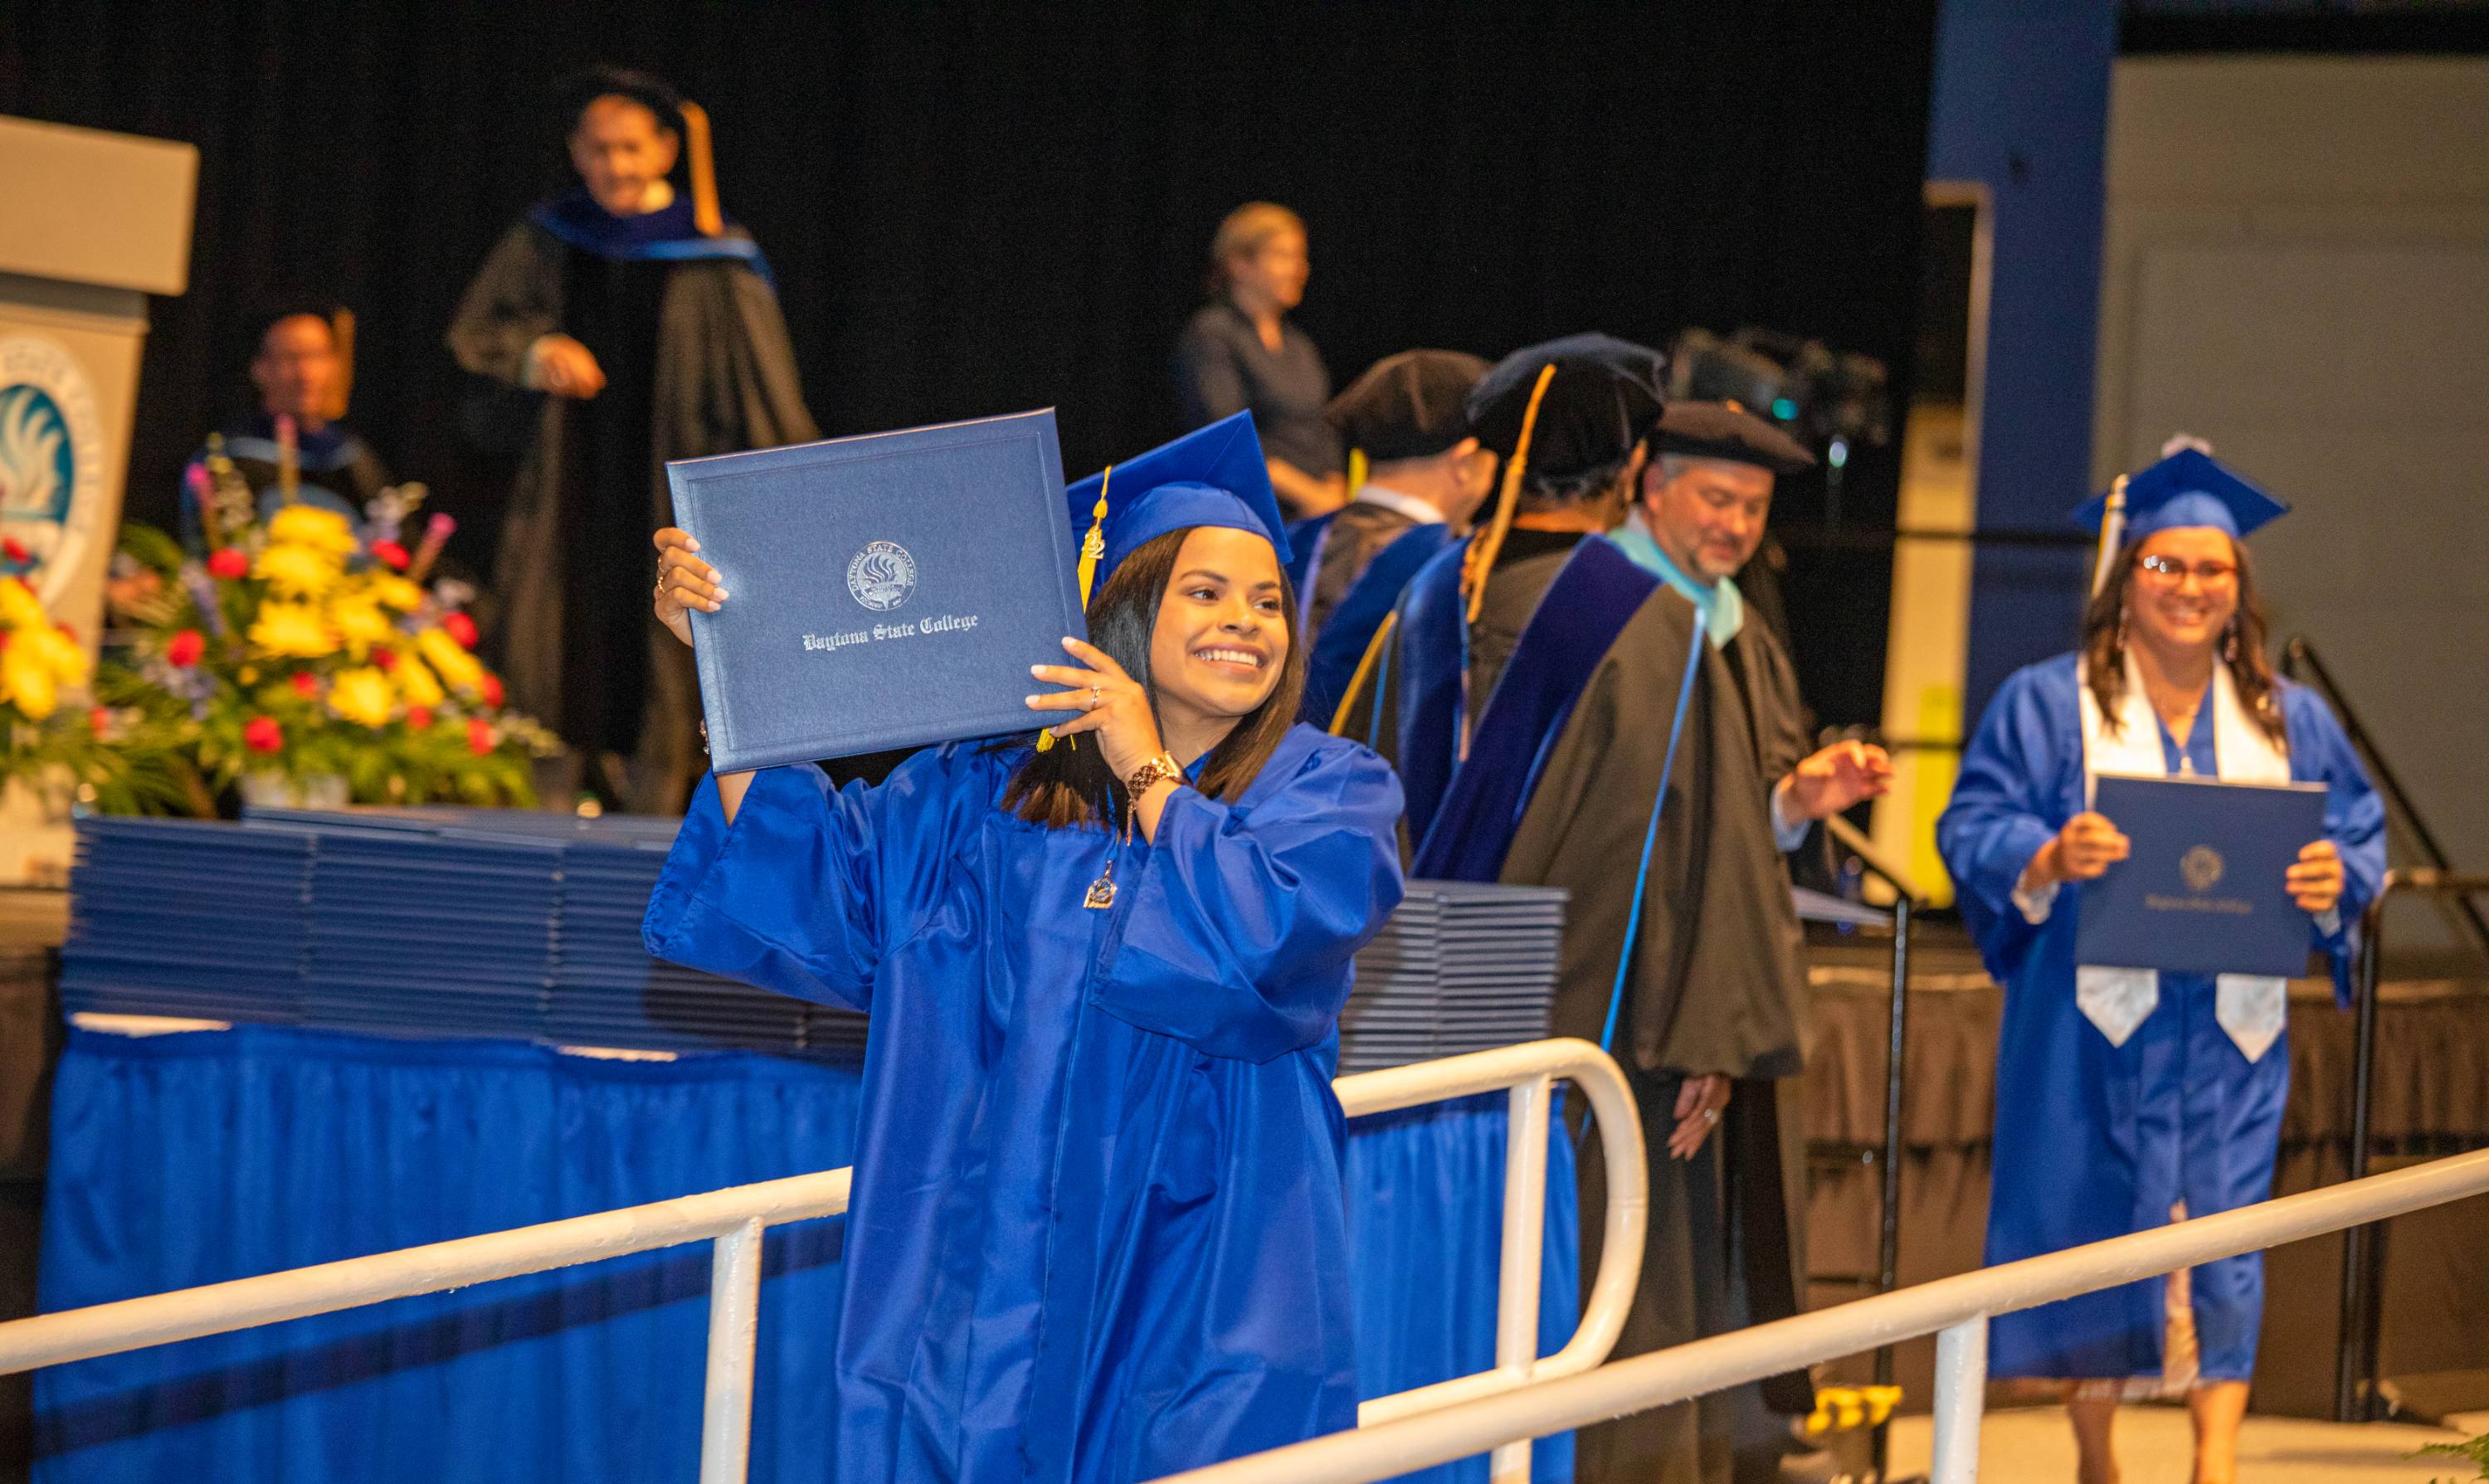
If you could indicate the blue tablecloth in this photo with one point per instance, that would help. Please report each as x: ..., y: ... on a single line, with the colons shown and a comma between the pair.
x: 196, y: 1158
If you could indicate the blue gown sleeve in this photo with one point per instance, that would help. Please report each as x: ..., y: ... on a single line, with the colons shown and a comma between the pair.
x: 2004, y: 809
x: 810, y: 885
x: 2355, y: 820
x: 1245, y: 922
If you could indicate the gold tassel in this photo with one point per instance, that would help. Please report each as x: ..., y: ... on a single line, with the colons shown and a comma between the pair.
x: 1364, y: 672
x: 2112, y: 533
x: 1358, y: 466
x: 341, y: 330
x: 706, y: 215
x: 1488, y: 542
x: 1092, y: 550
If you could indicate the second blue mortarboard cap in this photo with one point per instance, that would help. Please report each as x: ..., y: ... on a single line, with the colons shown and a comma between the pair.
x: 1214, y: 476
x: 2187, y: 488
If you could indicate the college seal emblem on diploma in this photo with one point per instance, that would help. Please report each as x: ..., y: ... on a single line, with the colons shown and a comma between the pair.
x: 2201, y: 869
x: 881, y: 576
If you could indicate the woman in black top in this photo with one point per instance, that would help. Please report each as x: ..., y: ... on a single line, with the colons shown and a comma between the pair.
x: 1241, y: 353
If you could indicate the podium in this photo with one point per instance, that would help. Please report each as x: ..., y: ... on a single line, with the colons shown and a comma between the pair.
x: 99, y: 221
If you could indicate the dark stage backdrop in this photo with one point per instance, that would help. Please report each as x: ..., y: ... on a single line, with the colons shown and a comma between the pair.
x: 976, y: 210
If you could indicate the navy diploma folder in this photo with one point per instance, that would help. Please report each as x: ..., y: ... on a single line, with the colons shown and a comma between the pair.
x: 883, y: 592
x: 2202, y: 890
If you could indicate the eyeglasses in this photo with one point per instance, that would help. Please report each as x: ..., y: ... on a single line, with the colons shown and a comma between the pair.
x: 2171, y: 571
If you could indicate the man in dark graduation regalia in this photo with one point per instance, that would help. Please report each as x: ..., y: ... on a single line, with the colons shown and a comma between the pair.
x: 1562, y: 717
x: 638, y: 327
x: 295, y: 447
x: 1405, y: 422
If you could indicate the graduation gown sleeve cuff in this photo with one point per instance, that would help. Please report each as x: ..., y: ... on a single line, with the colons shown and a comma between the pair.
x: 780, y: 899
x: 1245, y: 922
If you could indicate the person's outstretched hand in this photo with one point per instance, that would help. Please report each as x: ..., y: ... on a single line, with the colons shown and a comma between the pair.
x: 684, y: 583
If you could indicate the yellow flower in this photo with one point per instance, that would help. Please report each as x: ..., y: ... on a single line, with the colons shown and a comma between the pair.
x: 360, y: 622
x: 322, y: 530
x: 460, y: 669
x: 415, y: 682
x: 65, y: 656
x: 19, y: 608
x: 292, y: 630
x: 26, y: 682
x: 361, y: 696
x: 298, y: 571
x: 391, y: 591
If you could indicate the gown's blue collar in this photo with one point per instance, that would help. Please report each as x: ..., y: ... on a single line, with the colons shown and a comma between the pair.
x: 668, y: 235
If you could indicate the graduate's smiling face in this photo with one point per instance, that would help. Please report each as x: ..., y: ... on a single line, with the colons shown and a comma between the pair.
x: 621, y: 150
x: 1221, y: 639
x: 2185, y: 587
x: 1706, y: 514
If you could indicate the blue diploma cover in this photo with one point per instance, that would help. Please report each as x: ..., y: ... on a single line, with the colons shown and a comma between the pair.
x: 2202, y: 891
x: 883, y: 592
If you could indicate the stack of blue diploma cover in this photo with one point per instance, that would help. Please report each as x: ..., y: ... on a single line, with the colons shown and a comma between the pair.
x: 424, y: 923
x: 1462, y: 966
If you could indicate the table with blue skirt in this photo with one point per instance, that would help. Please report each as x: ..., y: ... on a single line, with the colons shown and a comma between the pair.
x: 185, y: 1158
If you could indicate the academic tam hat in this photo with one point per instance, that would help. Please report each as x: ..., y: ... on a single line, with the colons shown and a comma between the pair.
x: 1726, y: 431
x: 2187, y: 488
x: 1210, y: 476
x: 1409, y: 406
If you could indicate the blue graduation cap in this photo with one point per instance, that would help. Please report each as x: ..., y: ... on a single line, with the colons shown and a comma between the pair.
x: 2187, y: 488
x: 1210, y: 476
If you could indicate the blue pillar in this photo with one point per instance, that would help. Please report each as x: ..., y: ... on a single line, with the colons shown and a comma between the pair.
x: 2022, y: 102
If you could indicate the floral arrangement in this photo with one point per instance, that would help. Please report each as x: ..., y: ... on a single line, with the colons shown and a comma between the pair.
x: 61, y: 750
x: 309, y: 659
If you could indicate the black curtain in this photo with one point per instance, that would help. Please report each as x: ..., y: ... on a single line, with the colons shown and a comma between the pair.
x: 976, y: 209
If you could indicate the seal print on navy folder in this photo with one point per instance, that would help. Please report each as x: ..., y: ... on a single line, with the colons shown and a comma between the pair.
x: 881, y: 576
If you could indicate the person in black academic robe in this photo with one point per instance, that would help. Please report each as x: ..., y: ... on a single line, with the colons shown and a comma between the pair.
x: 626, y: 326
x: 299, y: 369
x: 1636, y: 785
x: 1406, y: 420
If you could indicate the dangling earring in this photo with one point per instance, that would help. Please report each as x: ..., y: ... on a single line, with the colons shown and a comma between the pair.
x: 2230, y: 643
x: 2121, y: 631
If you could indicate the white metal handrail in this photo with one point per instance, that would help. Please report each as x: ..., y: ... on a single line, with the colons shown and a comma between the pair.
x: 1955, y: 1310
x: 735, y: 1219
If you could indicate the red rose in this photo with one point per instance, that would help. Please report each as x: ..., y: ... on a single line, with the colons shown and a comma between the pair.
x: 184, y: 649
x: 306, y: 684
x: 420, y: 718
x: 479, y: 736
x: 460, y: 627
x: 390, y: 552
x: 261, y: 735
x: 386, y: 659
x: 490, y: 687
x: 98, y: 720
x: 9, y: 549
x: 228, y: 562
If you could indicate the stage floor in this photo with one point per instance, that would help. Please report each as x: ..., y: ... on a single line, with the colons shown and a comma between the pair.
x: 2034, y: 1445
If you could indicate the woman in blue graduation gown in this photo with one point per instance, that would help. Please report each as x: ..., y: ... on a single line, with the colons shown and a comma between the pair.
x: 2127, y: 1098
x: 1097, y: 1231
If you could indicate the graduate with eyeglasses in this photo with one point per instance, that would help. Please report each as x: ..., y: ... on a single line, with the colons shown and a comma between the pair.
x: 2128, y: 1098
x: 1098, y: 1229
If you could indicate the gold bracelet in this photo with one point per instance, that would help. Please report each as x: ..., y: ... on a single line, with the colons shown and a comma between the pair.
x: 1151, y: 773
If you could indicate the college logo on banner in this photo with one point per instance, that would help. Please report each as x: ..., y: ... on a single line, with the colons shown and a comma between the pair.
x: 51, y: 461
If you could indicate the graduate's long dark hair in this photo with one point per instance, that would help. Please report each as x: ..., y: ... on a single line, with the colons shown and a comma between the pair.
x: 1067, y: 786
x: 2241, y: 648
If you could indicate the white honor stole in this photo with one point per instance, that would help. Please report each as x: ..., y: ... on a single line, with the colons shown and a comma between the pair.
x: 2250, y: 1007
